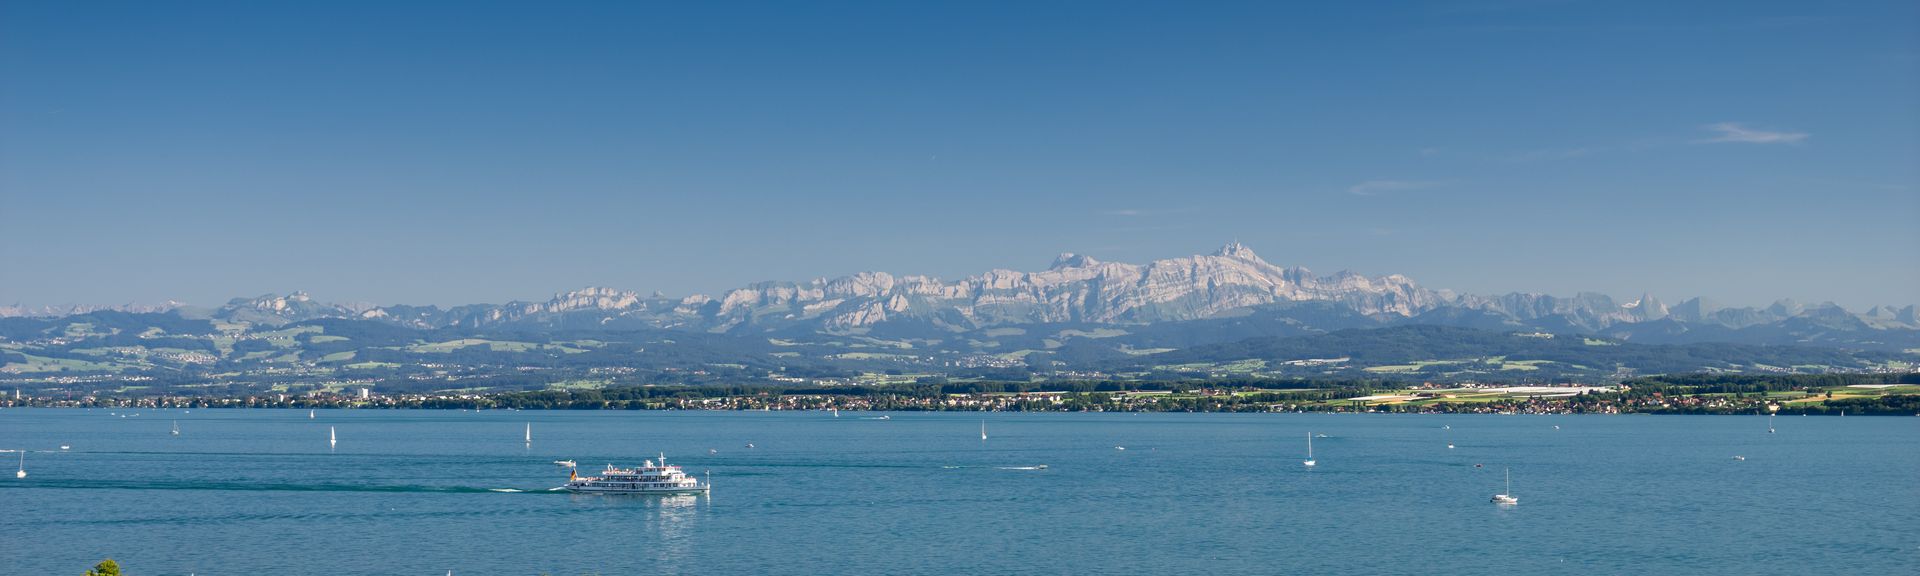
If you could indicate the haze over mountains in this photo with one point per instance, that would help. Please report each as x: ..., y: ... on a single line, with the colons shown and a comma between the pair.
x: 1229, y: 314
x: 1232, y: 282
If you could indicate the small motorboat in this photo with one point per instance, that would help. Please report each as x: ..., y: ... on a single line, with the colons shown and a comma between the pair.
x: 566, y: 464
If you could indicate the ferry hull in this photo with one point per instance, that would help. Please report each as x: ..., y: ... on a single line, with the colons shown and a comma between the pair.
x: 611, y: 490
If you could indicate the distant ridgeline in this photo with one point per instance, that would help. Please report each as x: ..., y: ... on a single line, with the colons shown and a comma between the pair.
x: 1224, y: 315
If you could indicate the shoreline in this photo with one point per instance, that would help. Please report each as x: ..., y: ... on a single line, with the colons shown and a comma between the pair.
x: 1677, y: 394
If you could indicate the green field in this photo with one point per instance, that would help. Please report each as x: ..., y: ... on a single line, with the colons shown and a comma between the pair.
x: 579, y: 385
x: 1094, y: 333
x: 870, y: 356
x: 45, y: 364
x: 493, y: 345
x: 1414, y: 367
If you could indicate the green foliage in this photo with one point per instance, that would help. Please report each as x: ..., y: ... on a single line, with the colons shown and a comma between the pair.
x: 175, y: 356
x: 1465, y: 348
x: 105, y: 568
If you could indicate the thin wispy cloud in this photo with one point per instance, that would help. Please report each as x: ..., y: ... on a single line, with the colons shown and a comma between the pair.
x: 1142, y: 212
x: 1551, y: 154
x: 1152, y: 228
x: 1377, y: 187
x: 1734, y: 132
x: 1756, y: 24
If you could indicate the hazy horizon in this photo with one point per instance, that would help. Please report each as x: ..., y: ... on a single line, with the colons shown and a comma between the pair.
x: 323, y: 297
x: 429, y: 153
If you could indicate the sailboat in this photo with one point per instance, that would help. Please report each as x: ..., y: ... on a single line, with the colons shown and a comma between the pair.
x: 836, y: 412
x: 176, y: 427
x: 983, y: 429
x: 1506, y: 497
x: 529, y: 436
x: 1309, y: 462
x: 1769, y: 423
x: 309, y: 413
x: 23, y: 465
x: 331, y: 438
x: 1449, y: 439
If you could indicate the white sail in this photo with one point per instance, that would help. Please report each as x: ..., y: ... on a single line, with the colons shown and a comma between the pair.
x: 529, y: 432
x: 331, y: 438
x: 983, y: 429
x: 1309, y: 461
x: 1507, y: 497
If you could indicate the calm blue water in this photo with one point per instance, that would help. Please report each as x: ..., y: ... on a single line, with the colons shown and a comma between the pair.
x: 411, y: 492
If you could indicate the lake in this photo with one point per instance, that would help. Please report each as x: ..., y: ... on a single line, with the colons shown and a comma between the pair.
x: 424, y: 492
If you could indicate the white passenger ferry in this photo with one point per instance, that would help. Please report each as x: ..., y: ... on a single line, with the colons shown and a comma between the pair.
x: 649, y: 478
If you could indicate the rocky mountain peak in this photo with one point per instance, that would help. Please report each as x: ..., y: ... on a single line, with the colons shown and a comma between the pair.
x: 1071, y: 260
x: 1238, y: 251
x: 1647, y: 308
x: 593, y: 297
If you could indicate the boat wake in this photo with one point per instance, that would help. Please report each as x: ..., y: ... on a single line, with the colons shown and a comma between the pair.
x: 1040, y: 467
x: 98, y: 484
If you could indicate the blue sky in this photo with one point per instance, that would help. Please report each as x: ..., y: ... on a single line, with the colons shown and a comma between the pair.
x: 444, y: 153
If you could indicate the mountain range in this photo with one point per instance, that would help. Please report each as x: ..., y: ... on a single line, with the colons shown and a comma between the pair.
x: 1076, y: 289
x: 1225, y: 313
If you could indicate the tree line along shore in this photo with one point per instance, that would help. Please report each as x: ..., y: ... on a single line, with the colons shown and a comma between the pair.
x: 1836, y: 394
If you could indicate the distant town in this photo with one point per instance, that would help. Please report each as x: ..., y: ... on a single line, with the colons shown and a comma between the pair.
x: 1859, y: 394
